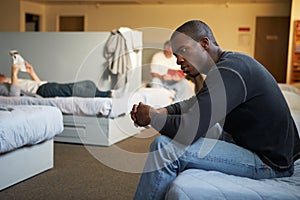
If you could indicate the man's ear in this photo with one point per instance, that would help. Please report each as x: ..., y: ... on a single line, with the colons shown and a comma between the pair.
x: 204, y: 43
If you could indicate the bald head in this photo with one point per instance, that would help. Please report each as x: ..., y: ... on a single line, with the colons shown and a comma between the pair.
x: 197, y: 30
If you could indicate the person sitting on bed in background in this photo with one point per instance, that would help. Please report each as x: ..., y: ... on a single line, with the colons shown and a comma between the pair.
x: 167, y: 74
x: 38, y: 88
x: 239, y: 93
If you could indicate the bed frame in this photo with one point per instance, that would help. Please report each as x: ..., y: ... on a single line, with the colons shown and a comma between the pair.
x: 95, y: 130
x: 103, y: 131
x: 25, y: 162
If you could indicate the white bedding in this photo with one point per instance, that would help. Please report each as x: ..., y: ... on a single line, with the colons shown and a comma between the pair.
x: 67, y: 105
x: 27, y: 125
x: 104, y: 107
x: 156, y: 97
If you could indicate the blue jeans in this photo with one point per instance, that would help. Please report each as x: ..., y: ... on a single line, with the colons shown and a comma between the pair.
x: 79, y: 89
x: 168, y: 158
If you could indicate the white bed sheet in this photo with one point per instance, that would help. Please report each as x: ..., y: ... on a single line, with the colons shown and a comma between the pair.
x: 101, y: 107
x: 27, y: 125
x: 67, y: 105
x: 156, y: 97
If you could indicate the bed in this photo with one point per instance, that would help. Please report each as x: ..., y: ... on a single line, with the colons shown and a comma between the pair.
x: 86, y: 120
x: 117, y: 125
x: 199, y: 184
x: 74, y: 57
x: 105, y: 128
x: 97, y: 121
x: 26, y: 141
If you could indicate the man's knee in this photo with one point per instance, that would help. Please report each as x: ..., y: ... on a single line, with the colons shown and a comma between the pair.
x: 91, y: 83
x: 85, y: 84
x: 159, y: 142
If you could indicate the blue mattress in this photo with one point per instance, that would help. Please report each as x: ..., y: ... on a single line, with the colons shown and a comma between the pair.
x: 28, y: 125
x: 199, y: 184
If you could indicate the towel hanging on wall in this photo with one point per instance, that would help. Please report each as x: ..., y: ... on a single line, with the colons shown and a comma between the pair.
x: 117, y: 54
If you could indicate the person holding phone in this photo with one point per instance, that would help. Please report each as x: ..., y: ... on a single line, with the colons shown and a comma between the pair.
x: 37, y: 88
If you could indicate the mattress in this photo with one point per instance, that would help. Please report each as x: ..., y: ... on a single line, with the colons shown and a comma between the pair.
x: 27, y: 125
x: 100, y: 107
x: 67, y: 105
x: 199, y: 184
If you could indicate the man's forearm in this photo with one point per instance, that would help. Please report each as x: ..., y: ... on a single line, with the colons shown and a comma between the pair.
x: 35, y: 77
x: 14, y: 77
x: 156, y: 75
x: 162, y: 110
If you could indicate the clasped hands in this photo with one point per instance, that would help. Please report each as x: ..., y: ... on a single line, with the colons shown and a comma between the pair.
x: 140, y: 114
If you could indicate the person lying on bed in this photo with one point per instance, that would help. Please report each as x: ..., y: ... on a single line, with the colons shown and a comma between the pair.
x: 240, y: 94
x: 36, y: 87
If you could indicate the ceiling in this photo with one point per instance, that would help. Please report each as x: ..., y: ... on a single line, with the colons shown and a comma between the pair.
x: 141, y: 2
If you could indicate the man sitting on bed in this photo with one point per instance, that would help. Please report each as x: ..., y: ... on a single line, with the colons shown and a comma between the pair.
x: 240, y: 94
x: 37, y: 88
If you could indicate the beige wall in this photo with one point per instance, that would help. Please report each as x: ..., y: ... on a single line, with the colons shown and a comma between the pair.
x: 157, y: 21
x: 295, y: 15
x: 223, y: 20
x: 9, y: 15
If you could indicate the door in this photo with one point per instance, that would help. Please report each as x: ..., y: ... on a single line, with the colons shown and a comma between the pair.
x: 271, y: 45
x: 71, y: 23
x: 32, y: 22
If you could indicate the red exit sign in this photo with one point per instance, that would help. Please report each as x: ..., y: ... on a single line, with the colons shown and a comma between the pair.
x: 244, y: 29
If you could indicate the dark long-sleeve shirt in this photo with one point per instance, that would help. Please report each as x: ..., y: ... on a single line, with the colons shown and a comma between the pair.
x: 241, y: 95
